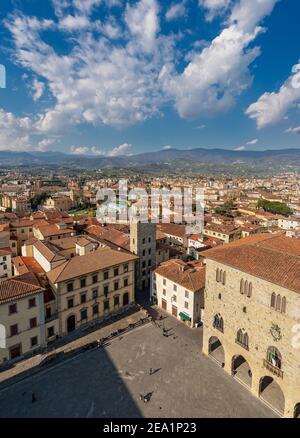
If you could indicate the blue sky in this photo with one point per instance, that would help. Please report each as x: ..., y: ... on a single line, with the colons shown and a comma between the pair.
x: 112, y: 77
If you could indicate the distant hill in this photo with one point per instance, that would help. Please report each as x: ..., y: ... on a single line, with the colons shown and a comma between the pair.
x: 163, y: 157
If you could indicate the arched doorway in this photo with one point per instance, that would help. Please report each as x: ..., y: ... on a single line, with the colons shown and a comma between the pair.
x: 125, y: 299
x: 216, y: 350
x: 297, y: 411
x: 71, y: 323
x: 271, y: 393
x: 241, y: 370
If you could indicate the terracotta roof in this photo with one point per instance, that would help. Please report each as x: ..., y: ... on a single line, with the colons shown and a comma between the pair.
x: 49, y: 251
x: 274, y: 258
x: 188, y: 275
x: 27, y: 264
x: 82, y: 265
x: 19, y: 287
x: 173, y: 229
x: 53, y: 230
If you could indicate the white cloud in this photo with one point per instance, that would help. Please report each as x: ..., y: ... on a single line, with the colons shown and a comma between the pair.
x: 122, y: 71
x: 14, y: 132
x: 38, y: 89
x: 240, y: 148
x: 293, y: 130
x: 143, y: 23
x: 271, y: 108
x: 216, y: 76
x: 122, y: 149
x: 214, y: 7
x: 252, y: 142
x: 177, y: 10
x: 167, y: 147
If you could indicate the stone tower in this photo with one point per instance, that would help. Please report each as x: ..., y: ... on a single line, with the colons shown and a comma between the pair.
x: 143, y: 244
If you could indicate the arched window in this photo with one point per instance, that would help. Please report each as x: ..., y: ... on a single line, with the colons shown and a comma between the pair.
x: 221, y: 324
x: 278, y: 303
x: 224, y: 278
x: 242, y: 286
x: 249, y: 293
x: 218, y: 322
x: 273, y: 300
x: 246, y: 340
x: 240, y: 336
x: 274, y: 357
x: 217, y: 275
x: 246, y: 287
x: 283, y: 305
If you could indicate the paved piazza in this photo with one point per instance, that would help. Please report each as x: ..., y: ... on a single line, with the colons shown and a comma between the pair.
x: 108, y: 382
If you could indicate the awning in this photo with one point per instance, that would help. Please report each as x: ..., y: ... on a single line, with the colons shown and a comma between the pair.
x: 184, y: 316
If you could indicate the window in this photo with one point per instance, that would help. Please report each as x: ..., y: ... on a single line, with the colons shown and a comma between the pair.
x: 273, y: 300
x: 70, y: 287
x: 218, y: 275
x: 105, y: 289
x: 106, y: 305
x: 149, y: 239
x: 70, y: 303
x: 242, y: 285
x: 144, y: 252
x: 164, y: 292
x: 34, y: 341
x: 95, y: 279
x: 31, y: 303
x: 224, y: 278
x: 278, y: 303
x: 12, y: 308
x: 95, y: 309
x: 186, y: 305
x: 48, y: 312
x: 4, y: 267
x: 116, y: 285
x: 4, y: 258
x: 32, y: 322
x: 164, y: 282
x: 149, y: 251
x: 83, y: 298
x: 95, y: 293
x: 83, y: 282
x: 125, y: 282
x: 274, y: 357
x: 50, y: 332
x: 144, y: 241
x: 174, y: 299
x: 186, y: 294
x: 116, y: 272
x: 283, y: 305
x: 249, y: 292
x: 125, y: 268
x: 174, y: 287
x: 14, y: 330
x: 218, y: 323
x: 83, y: 314
x: 242, y: 339
x: 106, y: 274
x: 143, y: 264
x: 149, y: 262
x: 116, y: 301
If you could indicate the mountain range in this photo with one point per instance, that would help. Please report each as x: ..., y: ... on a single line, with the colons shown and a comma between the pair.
x: 163, y: 158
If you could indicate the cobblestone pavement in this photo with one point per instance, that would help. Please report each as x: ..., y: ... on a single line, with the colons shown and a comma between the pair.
x: 109, y: 382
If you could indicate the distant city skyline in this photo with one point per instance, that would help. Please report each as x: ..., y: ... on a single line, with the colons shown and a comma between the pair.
x: 109, y: 77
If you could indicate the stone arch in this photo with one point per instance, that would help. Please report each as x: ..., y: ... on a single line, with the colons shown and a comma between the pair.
x: 272, y: 394
x: 241, y: 370
x: 216, y: 350
x: 297, y: 411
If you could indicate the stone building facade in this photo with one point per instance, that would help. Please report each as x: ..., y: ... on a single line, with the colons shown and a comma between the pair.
x: 252, y: 317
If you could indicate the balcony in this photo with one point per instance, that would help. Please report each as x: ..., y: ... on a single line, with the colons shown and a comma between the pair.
x: 273, y: 369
